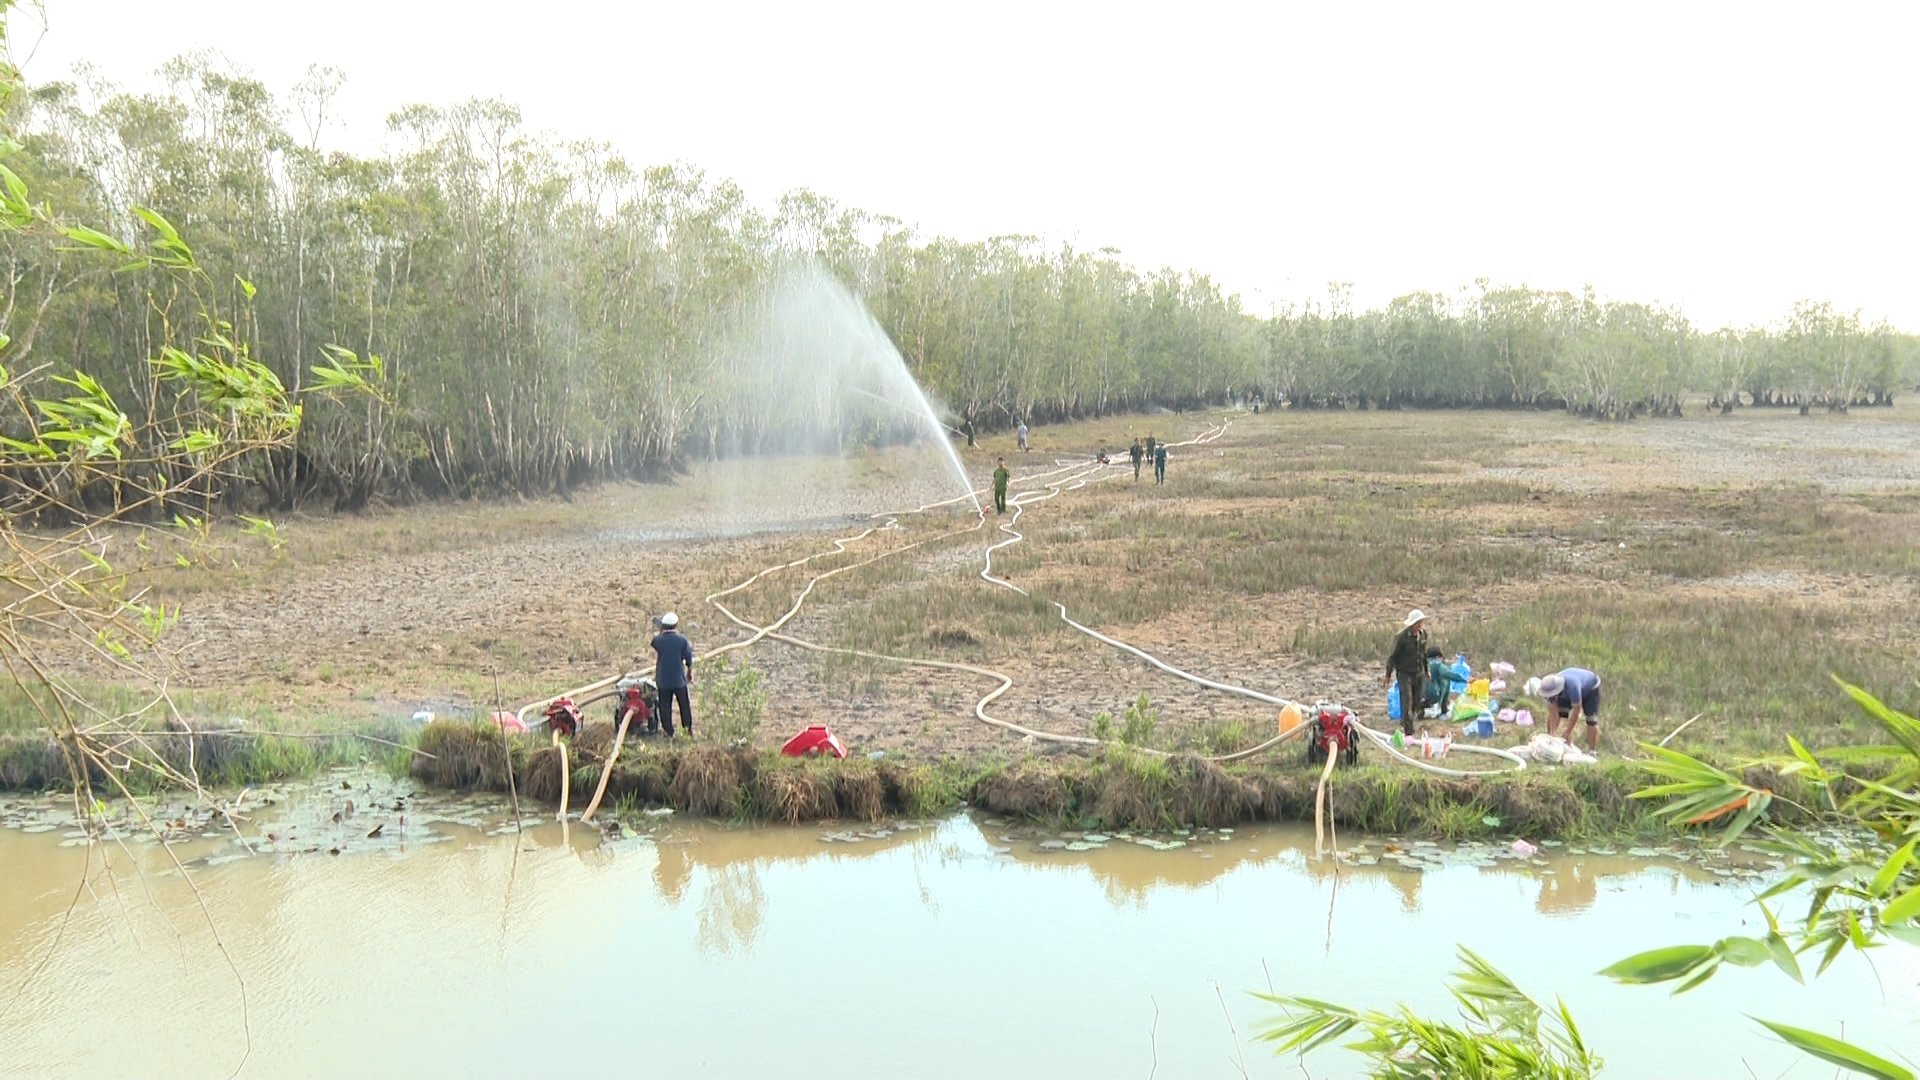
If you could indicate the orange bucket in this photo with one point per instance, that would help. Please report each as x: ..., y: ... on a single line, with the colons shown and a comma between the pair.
x: 1290, y: 718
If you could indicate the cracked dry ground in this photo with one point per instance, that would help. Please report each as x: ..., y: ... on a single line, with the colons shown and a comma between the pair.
x: 381, y: 615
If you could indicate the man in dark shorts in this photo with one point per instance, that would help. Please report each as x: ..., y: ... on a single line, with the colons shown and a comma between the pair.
x: 1575, y: 694
x: 673, y: 673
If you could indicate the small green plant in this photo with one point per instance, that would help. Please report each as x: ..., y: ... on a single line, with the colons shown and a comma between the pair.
x: 1140, y: 722
x: 268, y: 531
x: 1504, y: 1033
x: 730, y: 701
x: 1226, y: 737
x: 1103, y: 726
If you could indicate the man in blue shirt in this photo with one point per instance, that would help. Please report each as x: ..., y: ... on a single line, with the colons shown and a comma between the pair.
x: 1573, y: 693
x: 673, y: 673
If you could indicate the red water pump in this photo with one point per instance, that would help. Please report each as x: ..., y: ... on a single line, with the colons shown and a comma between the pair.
x: 1332, y: 731
x: 563, y: 716
x: 640, y: 698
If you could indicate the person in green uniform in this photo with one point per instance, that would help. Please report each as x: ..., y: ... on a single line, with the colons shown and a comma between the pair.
x: 1150, y: 445
x: 1160, y: 464
x: 1137, y: 454
x: 1000, y: 478
x: 1407, y: 662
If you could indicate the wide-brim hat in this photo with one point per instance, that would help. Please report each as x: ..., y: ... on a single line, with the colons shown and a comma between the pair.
x: 1551, y: 685
x: 669, y: 620
x: 1415, y: 616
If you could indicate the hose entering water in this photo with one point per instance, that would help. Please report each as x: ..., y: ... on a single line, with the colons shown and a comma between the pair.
x: 1068, y: 476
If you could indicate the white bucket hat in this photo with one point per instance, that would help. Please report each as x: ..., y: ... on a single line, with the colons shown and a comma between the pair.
x: 669, y: 620
x: 1414, y: 616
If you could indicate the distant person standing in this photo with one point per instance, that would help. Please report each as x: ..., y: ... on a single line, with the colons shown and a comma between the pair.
x: 1136, y: 453
x: 1021, y: 434
x: 1000, y: 478
x: 1160, y: 464
x: 1151, y: 444
x: 1407, y: 663
x: 673, y: 673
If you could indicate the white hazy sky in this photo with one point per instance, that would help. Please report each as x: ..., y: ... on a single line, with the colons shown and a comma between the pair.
x: 1730, y: 158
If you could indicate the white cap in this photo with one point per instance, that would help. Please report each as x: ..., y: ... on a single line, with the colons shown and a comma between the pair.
x: 1414, y: 616
x: 669, y: 620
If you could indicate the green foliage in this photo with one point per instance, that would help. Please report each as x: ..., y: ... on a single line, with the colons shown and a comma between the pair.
x: 1862, y: 880
x: 730, y: 700
x: 514, y: 298
x: 1139, y: 723
x: 1835, y: 1052
x: 1503, y: 1033
x: 1859, y: 871
x: 1103, y: 726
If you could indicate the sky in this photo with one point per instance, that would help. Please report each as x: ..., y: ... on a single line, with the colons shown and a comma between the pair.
x: 1726, y: 158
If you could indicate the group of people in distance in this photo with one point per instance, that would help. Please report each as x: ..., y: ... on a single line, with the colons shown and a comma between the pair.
x: 1153, y: 450
x: 1571, y: 694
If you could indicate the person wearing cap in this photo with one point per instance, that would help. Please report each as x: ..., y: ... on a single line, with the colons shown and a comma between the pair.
x: 1574, y: 693
x: 1407, y: 662
x: 673, y: 673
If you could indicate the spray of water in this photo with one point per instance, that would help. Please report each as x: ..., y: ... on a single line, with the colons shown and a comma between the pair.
x: 813, y: 372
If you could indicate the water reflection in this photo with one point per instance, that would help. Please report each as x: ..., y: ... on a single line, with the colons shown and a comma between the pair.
x: 910, y: 928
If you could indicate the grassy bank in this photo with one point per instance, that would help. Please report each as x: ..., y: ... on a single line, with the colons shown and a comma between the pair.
x: 1116, y: 788
x: 153, y: 760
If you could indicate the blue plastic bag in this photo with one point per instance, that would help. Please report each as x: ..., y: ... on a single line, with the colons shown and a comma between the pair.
x: 1393, y: 701
x: 1462, y: 672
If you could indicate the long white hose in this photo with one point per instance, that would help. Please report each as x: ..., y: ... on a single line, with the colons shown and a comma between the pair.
x: 1067, y: 476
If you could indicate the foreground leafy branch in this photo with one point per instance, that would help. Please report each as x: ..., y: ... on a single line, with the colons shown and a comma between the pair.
x: 1504, y: 1033
x: 1855, y: 864
x: 74, y: 460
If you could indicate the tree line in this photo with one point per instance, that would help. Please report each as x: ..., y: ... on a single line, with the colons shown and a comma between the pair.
x: 545, y: 315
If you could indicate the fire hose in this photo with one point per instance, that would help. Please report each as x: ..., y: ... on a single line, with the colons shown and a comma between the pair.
x: 1077, y: 475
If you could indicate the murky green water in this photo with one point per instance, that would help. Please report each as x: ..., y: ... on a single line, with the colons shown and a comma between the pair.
x: 938, y: 951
